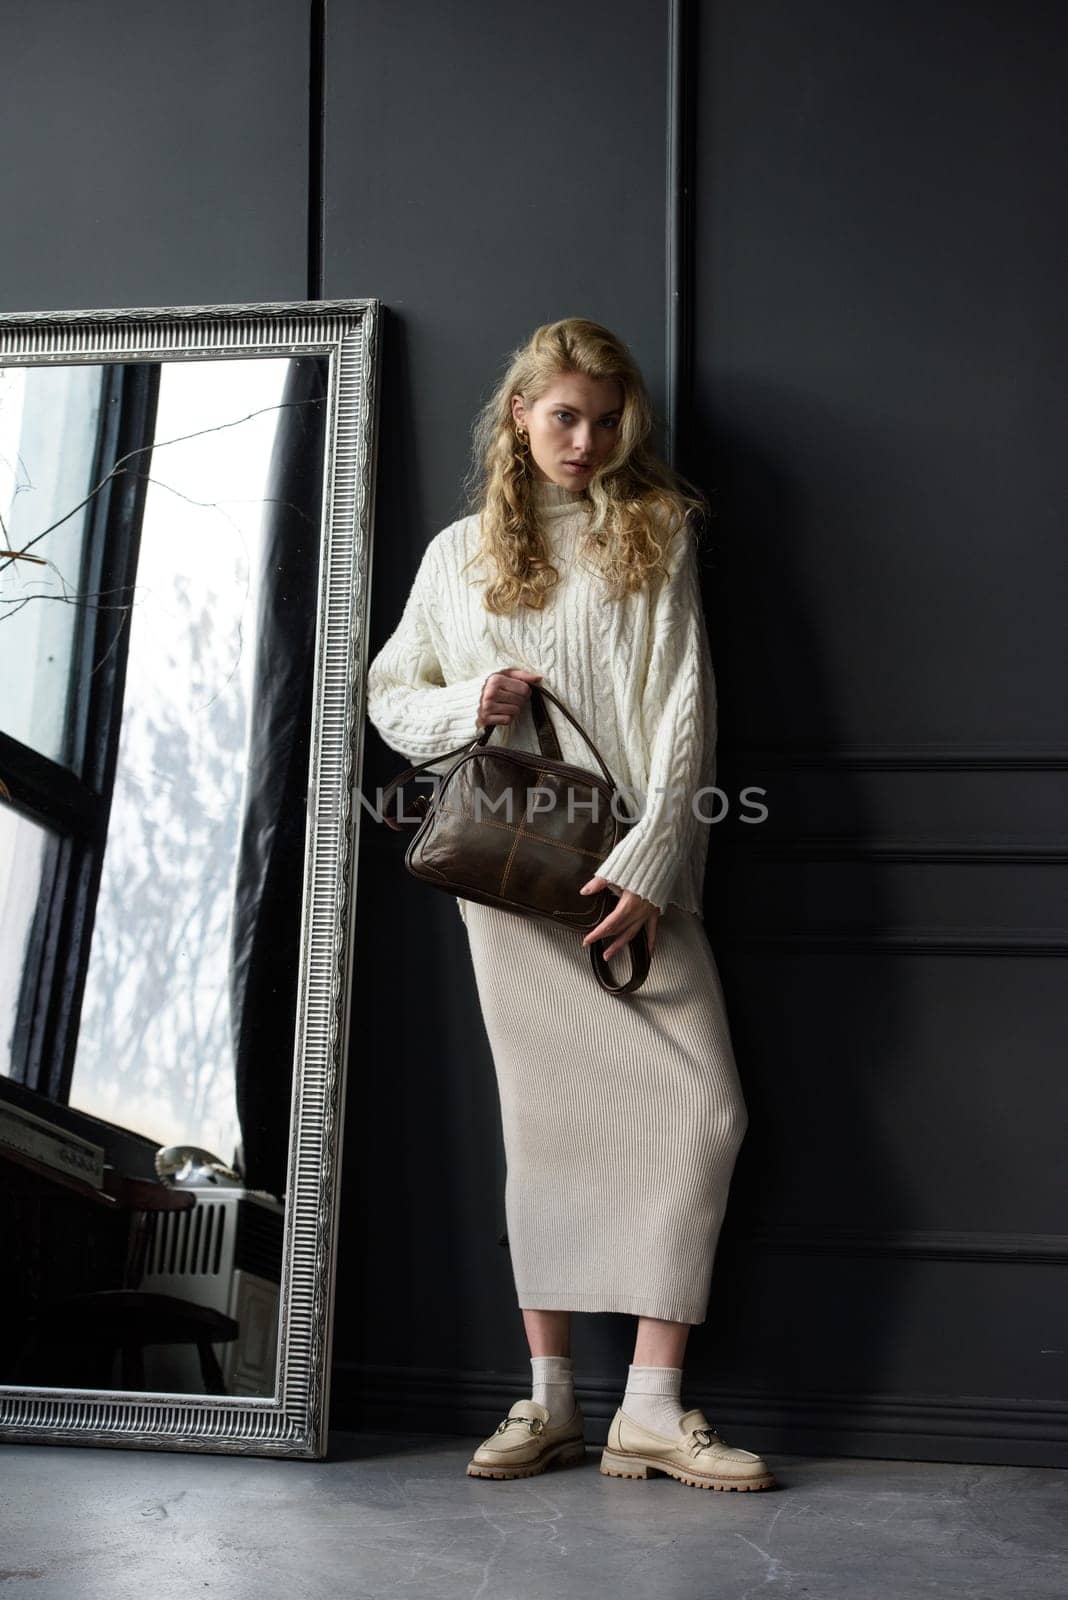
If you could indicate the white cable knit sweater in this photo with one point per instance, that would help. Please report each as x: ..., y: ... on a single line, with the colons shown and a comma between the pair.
x: 637, y: 673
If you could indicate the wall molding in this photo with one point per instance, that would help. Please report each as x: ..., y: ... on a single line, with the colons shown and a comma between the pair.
x: 745, y: 841
x: 914, y: 1244
x: 891, y: 758
x: 898, y: 942
x: 914, y: 1427
x: 901, y: 1244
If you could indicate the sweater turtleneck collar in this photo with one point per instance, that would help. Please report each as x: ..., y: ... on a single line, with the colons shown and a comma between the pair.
x: 553, y: 499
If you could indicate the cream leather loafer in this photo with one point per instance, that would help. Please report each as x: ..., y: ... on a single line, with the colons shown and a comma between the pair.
x: 698, y: 1456
x: 524, y: 1444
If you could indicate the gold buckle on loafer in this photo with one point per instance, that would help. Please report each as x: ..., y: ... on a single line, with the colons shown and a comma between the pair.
x: 535, y: 1424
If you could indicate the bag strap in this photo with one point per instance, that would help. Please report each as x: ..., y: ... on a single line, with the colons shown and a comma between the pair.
x: 548, y: 743
x: 638, y: 949
x: 422, y: 801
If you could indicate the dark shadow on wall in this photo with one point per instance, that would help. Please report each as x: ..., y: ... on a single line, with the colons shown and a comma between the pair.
x: 420, y: 1272
x: 796, y: 1010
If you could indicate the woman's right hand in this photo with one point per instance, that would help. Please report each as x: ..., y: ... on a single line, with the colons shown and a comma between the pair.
x: 503, y: 695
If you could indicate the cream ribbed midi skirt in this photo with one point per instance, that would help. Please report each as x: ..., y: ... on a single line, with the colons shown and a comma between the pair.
x: 621, y: 1115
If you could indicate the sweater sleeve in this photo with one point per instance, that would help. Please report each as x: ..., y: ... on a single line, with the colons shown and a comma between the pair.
x: 679, y: 704
x: 414, y: 710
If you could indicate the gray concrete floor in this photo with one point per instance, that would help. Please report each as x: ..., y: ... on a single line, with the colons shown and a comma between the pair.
x: 398, y: 1517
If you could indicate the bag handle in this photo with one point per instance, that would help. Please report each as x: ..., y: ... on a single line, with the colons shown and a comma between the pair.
x: 546, y: 733
x: 548, y: 743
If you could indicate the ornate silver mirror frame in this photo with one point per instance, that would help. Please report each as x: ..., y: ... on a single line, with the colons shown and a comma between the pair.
x: 292, y: 1421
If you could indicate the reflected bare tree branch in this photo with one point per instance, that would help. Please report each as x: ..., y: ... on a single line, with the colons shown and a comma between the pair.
x: 119, y: 470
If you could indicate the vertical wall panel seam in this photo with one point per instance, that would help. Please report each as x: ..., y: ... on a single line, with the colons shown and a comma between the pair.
x: 316, y: 194
x: 679, y: 233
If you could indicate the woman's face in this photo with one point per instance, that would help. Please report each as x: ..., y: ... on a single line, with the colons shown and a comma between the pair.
x: 572, y: 427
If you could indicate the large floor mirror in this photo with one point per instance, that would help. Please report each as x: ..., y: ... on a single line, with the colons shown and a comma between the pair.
x: 186, y: 498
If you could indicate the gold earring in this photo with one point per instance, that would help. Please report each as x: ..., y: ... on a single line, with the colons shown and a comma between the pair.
x: 524, y: 450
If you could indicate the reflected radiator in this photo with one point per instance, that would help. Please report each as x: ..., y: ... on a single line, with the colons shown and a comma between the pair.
x: 226, y: 1252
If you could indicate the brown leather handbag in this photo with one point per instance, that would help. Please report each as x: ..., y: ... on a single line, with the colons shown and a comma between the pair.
x: 522, y: 831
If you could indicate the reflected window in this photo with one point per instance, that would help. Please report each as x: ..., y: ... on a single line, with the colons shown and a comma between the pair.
x: 23, y: 846
x: 154, y: 1047
x: 49, y: 427
x: 151, y: 825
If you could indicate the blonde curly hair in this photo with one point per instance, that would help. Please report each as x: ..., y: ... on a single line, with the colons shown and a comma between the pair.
x: 637, y: 500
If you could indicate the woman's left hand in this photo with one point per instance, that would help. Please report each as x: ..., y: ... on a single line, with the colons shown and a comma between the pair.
x: 624, y: 920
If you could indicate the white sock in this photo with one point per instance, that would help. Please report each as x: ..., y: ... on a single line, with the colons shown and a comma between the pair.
x: 554, y: 1386
x: 652, y: 1398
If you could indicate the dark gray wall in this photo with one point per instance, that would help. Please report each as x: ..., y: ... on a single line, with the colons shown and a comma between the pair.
x: 873, y: 333
x: 879, y: 348
x: 157, y: 153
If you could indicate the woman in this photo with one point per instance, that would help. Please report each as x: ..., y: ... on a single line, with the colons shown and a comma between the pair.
x: 622, y: 1117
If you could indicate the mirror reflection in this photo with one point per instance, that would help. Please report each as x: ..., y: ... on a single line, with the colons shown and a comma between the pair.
x: 160, y: 537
